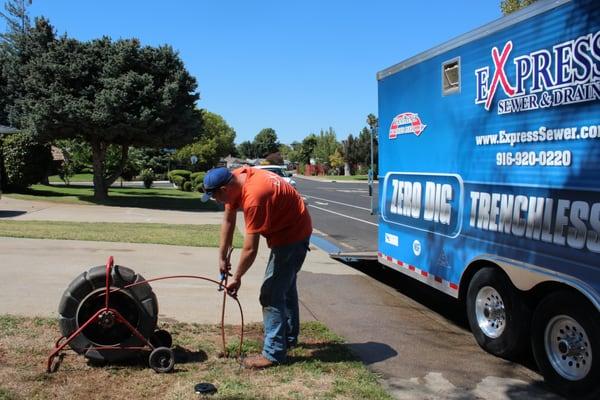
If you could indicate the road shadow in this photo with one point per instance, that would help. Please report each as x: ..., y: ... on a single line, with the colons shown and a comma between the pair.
x: 446, y: 306
x: 10, y: 213
x: 372, y: 352
x: 368, y: 353
x: 536, y: 390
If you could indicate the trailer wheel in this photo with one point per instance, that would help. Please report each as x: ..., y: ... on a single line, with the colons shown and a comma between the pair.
x: 565, y: 338
x: 498, y: 316
x: 85, y: 296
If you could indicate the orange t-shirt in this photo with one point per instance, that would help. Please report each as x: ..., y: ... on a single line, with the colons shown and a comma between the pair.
x: 272, y: 207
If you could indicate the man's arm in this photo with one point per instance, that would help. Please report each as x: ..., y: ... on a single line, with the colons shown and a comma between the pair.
x: 249, y: 251
x: 227, y: 229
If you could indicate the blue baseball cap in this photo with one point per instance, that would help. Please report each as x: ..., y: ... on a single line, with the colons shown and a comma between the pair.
x: 214, y: 179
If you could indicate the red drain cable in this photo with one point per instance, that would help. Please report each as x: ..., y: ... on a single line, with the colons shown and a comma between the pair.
x: 222, y: 286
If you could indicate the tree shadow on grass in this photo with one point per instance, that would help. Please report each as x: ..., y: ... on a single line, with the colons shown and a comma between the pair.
x: 165, y: 199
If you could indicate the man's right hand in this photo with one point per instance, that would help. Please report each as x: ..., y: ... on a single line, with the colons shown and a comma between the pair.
x: 224, y: 266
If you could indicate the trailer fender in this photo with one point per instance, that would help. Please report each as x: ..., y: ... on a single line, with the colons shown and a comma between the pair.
x: 525, y: 276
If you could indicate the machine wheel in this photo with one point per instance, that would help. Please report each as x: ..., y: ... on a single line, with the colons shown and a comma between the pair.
x: 565, y: 338
x: 162, y: 360
x: 161, y: 338
x: 85, y: 296
x: 498, y: 316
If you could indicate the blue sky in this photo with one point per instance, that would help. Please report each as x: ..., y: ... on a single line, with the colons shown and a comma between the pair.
x: 294, y: 66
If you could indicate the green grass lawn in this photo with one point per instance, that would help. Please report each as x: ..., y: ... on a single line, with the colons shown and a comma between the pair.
x: 154, y: 198
x: 179, y: 235
x: 75, y: 178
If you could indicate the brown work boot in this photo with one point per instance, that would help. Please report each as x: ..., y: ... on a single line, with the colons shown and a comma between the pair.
x: 257, y: 362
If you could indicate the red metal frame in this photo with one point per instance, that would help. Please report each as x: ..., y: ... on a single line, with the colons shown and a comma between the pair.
x: 61, y: 343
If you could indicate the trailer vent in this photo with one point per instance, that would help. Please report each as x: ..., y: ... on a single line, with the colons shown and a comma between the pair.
x: 451, y: 77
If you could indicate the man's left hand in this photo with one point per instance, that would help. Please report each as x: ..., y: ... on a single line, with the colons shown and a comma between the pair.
x: 233, y: 285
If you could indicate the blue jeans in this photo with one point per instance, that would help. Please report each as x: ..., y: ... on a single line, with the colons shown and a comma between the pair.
x: 279, y: 299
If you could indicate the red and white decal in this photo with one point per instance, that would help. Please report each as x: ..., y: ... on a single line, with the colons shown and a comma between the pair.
x: 406, y: 123
x: 417, y: 273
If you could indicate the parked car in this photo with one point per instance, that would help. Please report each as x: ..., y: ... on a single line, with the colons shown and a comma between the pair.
x: 279, y: 170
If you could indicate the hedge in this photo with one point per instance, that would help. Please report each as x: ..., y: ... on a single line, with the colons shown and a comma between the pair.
x: 185, y: 174
x: 26, y: 160
x: 178, y: 181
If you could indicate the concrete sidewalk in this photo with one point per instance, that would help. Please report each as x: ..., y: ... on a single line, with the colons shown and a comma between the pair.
x: 35, y: 272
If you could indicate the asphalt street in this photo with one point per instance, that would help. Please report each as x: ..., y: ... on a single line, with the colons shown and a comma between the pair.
x: 341, y: 213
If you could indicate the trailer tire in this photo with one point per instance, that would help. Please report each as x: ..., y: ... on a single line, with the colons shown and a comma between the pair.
x: 565, y: 336
x: 85, y: 296
x: 498, y: 316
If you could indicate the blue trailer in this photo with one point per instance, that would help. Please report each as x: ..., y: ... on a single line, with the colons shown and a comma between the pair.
x: 489, y: 171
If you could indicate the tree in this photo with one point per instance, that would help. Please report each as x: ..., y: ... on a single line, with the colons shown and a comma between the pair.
x: 373, y: 123
x: 26, y: 160
x: 274, y: 159
x: 246, y: 149
x: 216, y: 140
x: 307, y: 148
x: 17, y: 21
x: 285, y: 150
x: 336, y: 160
x: 11, y: 45
x: 20, y: 44
x: 110, y: 92
x: 265, y: 142
x: 361, y: 152
x: 510, y: 6
x: 158, y: 160
x: 77, y: 156
x: 326, y: 144
x: 350, y: 154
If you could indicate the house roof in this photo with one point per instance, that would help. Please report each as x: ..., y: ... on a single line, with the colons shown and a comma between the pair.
x: 57, y: 154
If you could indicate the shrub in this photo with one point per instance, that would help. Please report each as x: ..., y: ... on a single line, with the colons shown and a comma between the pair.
x: 26, y: 160
x: 185, y: 174
x: 178, y: 181
x: 187, y: 186
x: 197, y: 175
x: 197, y: 178
x: 362, y: 170
x: 148, y: 177
x: 66, y: 170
